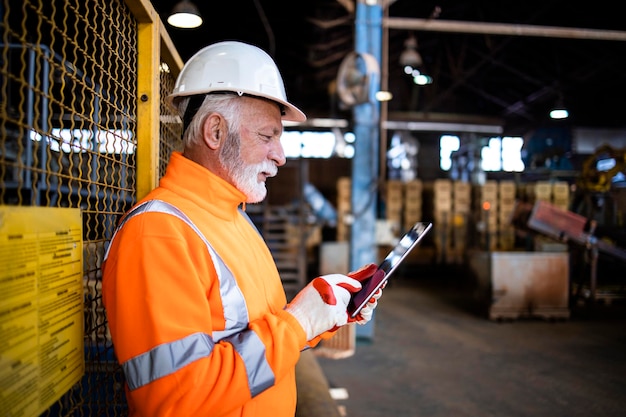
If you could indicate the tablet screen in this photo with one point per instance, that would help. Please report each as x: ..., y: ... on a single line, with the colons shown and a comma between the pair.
x: 387, y: 266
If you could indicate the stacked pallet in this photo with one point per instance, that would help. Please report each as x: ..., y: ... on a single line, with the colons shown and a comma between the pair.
x: 486, y: 212
x: 542, y: 191
x: 442, y: 211
x: 394, y: 203
x: 413, y: 203
x: 452, y: 204
x: 507, y: 194
x: 344, y: 208
x: 553, y: 192
x: 560, y: 195
x: 494, y: 204
x: 461, y: 212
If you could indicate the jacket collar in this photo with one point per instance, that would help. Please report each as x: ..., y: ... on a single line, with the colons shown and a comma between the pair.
x: 199, y: 185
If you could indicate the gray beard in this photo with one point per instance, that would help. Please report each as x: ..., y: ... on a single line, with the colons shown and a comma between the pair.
x: 244, y: 178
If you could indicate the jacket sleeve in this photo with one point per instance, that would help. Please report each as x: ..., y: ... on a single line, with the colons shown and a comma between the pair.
x: 161, y: 295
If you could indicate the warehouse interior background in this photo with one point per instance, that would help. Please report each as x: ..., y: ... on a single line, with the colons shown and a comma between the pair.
x: 509, y: 80
x: 489, y: 96
x: 528, y: 211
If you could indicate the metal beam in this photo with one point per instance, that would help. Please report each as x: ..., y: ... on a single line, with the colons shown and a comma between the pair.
x: 448, y: 127
x: 507, y: 29
x: 363, y: 249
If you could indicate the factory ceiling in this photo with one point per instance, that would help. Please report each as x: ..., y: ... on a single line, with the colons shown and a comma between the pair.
x: 506, y: 62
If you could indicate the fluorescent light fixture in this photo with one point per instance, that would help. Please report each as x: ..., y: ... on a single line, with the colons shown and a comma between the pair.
x: 383, y: 95
x: 559, y: 111
x: 559, y: 114
x: 422, y: 79
x: 185, y: 15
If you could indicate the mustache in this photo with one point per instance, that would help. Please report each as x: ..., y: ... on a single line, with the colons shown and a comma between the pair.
x: 269, y: 168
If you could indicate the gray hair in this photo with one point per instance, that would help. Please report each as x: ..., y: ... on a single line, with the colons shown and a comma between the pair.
x: 228, y: 105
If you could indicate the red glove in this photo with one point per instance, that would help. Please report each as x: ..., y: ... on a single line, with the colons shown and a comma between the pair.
x: 362, y: 274
x: 322, y: 305
x: 365, y: 315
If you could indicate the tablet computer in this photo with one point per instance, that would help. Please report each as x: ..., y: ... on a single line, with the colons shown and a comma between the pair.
x: 387, y: 266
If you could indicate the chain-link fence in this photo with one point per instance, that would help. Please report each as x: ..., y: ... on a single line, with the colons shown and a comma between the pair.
x: 72, y: 130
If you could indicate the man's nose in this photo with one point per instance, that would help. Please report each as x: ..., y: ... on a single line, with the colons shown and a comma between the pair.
x: 277, y: 154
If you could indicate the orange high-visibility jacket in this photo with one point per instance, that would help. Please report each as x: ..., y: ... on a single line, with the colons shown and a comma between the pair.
x: 195, y: 305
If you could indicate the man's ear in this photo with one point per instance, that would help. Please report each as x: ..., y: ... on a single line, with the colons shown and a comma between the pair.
x: 213, y: 130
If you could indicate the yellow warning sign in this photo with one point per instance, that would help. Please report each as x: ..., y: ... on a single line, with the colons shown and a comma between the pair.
x: 41, y: 307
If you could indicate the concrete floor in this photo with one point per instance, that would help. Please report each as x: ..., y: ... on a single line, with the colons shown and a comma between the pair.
x: 433, y: 353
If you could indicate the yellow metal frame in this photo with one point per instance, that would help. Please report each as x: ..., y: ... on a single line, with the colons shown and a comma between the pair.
x: 154, y: 46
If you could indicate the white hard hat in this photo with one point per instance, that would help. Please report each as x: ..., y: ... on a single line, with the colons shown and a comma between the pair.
x: 237, y: 67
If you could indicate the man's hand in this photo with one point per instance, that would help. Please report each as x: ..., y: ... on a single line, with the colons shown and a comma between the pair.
x: 367, y: 311
x: 322, y: 305
x: 362, y: 274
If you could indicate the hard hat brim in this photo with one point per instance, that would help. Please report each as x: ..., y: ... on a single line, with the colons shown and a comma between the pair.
x: 291, y: 112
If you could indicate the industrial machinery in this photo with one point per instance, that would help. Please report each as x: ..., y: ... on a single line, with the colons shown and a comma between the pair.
x: 566, y: 226
x: 603, y: 170
x: 601, y: 193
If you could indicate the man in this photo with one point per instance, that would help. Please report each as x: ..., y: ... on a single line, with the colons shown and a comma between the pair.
x: 195, y: 304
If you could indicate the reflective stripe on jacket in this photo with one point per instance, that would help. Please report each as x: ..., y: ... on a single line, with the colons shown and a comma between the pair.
x: 170, y: 357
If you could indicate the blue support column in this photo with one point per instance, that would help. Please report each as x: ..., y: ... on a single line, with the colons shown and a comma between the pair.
x: 365, y: 164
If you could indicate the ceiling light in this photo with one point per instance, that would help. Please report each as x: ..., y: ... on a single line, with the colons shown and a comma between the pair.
x: 383, y: 95
x: 422, y: 79
x: 410, y: 57
x: 559, y: 111
x: 559, y: 114
x: 185, y: 15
